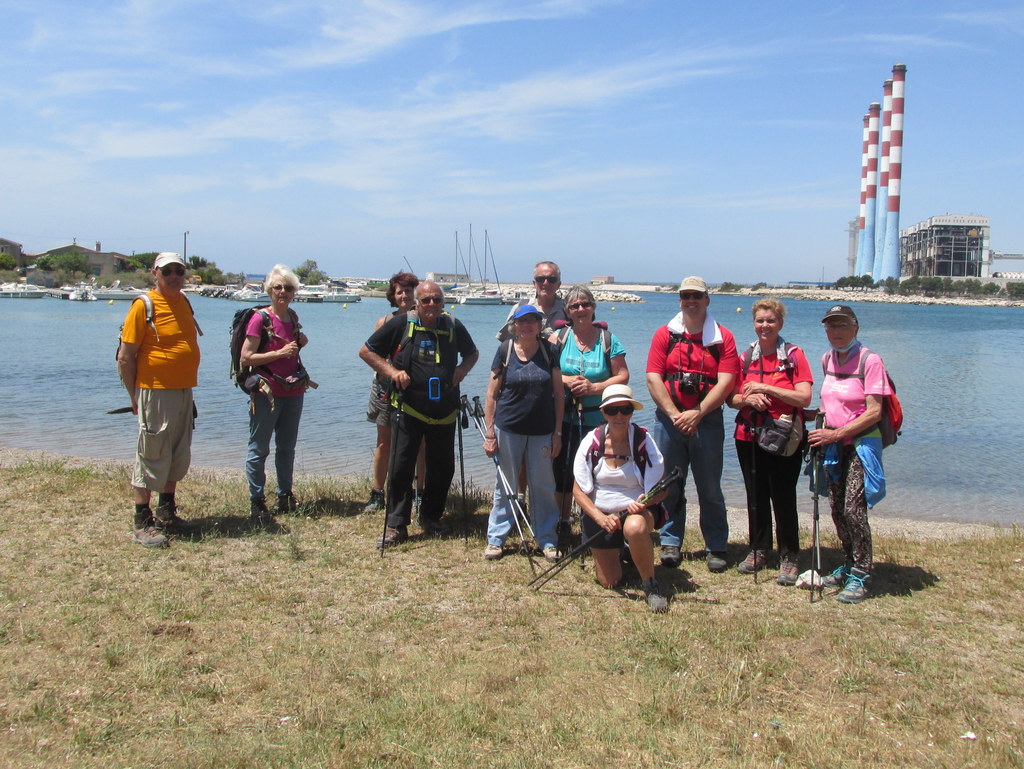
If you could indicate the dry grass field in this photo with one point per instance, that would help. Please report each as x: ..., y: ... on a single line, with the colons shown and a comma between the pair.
x: 305, y: 648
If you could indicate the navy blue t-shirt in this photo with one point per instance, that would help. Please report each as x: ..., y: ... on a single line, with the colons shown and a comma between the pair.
x: 526, y: 405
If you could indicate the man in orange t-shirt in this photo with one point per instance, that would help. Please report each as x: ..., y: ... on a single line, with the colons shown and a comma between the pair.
x: 159, y: 365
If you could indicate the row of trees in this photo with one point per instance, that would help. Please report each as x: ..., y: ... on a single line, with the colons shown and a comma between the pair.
x: 932, y: 287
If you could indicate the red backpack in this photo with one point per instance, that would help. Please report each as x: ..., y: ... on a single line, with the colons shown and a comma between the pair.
x: 891, y: 423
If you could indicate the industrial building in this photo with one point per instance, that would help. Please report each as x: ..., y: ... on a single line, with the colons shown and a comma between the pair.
x: 953, y: 245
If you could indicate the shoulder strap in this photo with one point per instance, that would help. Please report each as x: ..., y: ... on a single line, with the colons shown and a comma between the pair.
x: 640, y: 455
x: 597, y: 447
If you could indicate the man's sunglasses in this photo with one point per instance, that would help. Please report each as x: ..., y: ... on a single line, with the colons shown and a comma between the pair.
x: 431, y: 300
x: 546, y: 279
x: 688, y: 295
x: 615, y: 410
x: 169, y: 270
x: 581, y: 306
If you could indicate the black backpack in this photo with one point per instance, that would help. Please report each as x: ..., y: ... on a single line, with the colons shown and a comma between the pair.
x: 239, y: 324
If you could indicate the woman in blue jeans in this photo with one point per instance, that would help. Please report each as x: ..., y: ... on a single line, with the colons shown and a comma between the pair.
x: 273, y: 339
x: 523, y: 417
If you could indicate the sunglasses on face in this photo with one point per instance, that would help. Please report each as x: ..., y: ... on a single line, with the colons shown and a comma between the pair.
x: 581, y: 306
x: 431, y: 300
x: 286, y: 289
x: 612, y: 411
x: 169, y: 270
x: 546, y: 279
x: 688, y: 295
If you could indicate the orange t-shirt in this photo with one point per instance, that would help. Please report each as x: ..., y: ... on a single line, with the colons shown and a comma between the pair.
x: 172, y: 361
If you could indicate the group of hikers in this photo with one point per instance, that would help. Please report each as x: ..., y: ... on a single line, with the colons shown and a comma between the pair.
x: 557, y: 421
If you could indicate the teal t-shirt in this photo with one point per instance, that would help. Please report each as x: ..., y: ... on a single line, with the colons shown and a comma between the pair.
x: 591, y: 364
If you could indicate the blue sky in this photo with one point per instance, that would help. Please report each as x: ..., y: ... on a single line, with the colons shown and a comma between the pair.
x: 647, y: 139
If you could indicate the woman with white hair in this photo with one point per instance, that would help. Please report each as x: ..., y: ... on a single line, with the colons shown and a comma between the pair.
x: 273, y: 339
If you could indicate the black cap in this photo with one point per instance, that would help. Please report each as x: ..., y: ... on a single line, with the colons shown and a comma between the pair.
x: 840, y: 311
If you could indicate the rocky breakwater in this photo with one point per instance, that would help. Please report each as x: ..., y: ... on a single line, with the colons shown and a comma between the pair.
x: 514, y: 291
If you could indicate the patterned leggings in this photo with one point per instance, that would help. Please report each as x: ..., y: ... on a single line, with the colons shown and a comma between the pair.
x: 850, y: 510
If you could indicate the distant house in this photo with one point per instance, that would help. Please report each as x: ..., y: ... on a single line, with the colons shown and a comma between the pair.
x: 14, y: 249
x: 602, y: 280
x: 100, y: 262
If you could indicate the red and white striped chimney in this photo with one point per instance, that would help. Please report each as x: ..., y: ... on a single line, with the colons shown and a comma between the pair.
x: 883, y: 174
x: 859, y: 269
x: 872, y: 189
x: 891, y: 252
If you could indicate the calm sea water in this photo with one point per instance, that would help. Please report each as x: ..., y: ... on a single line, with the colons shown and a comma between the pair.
x: 954, y: 368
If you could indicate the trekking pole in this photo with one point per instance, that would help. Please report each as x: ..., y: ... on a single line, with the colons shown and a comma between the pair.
x: 517, y: 513
x: 544, y: 577
x: 396, y: 414
x: 463, y: 424
x: 752, y: 503
x: 564, y: 521
x: 816, y: 578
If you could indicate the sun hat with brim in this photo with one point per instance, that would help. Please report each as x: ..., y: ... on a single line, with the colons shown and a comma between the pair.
x: 167, y: 257
x: 525, y: 310
x: 693, y: 283
x: 619, y: 394
x: 840, y: 311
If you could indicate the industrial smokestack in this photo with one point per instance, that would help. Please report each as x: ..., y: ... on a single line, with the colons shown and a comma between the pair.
x: 859, y: 266
x: 883, y: 176
x: 891, y: 250
x: 872, y: 190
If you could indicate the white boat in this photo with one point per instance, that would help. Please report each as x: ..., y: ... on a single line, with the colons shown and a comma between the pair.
x: 337, y: 295
x: 83, y: 292
x: 250, y: 295
x: 114, y: 291
x: 324, y: 293
x: 21, y: 291
x: 476, y: 293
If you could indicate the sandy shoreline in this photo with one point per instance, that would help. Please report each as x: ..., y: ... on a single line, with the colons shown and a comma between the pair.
x: 880, y: 523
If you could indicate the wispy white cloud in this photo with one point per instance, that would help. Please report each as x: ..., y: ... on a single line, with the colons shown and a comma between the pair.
x: 355, y: 32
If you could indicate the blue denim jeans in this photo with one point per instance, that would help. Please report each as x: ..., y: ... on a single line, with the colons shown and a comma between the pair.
x: 701, y: 453
x: 514, y: 451
x: 283, y: 424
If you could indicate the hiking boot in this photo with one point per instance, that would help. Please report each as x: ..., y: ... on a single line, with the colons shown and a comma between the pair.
x: 754, y: 562
x: 856, y: 588
x: 836, y: 578
x: 717, y: 562
x: 166, y: 519
x: 259, y: 514
x: 670, y: 556
x: 145, y: 534
x: 493, y: 552
x: 436, y: 528
x: 550, y: 554
x: 656, y: 602
x: 788, y: 570
x: 286, y: 503
x: 393, y: 535
x: 376, y: 501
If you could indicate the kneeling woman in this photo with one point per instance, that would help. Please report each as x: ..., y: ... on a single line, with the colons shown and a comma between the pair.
x: 615, y: 466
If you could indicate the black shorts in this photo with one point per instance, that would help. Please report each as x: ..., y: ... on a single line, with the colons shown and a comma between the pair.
x: 613, y: 541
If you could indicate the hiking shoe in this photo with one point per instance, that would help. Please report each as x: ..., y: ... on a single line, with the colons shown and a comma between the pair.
x: 856, y: 588
x: 550, y: 554
x: 656, y: 602
x: 286, y: 503
x: 754, y: 562
x: 393, y: 535
x: 836, y: 578
x: 717, y: 562
x: 670, y: 556
x: 145, y: 534
x: 166, y: 519
x: 436, y: 528
x: 788, y: 571
x: 376, y: 501
x: 259, y: 514
x: 493, y: 552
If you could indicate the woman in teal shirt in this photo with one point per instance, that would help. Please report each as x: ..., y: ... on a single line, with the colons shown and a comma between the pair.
x: 591, y: 358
